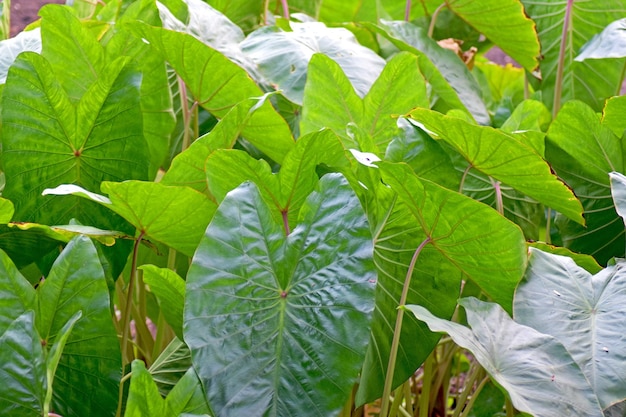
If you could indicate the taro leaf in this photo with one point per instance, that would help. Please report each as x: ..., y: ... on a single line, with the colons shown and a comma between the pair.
x: 504, y: 158
x: 585, y: 261
x: 65, y: 233
x: 176, y: 216
x: 22, y: 368
x: 187, y: 397
x: 27, y: 246
x: 613, y: 115
x: 11, y: 48
x: 479, y: 245
x: 283, y: 56
x: 505, y: 24
x: 618, y: 190
x: 425, y: 155
x: 16, y: 293
x: 6, y: 210
x: 610, y: 43
x: 583, y: 151
x: 170, y: 366
x: 88, y: 374
x: 448, y: 76
x: 278, y: 325
x: 54, y: 355
x: 331, y: 102
x: 243, y: 13
x: 156, y: 99
x: 188, y: 168
x: 169, y: 289
x: 219, y: 86
x: 284, y: 193
x: 224, y: 35
x: 75, y: 55
x: 144, y: 399
x: 528, y: 122
x: 5, y: 19
x: 584, y: 312
x: 569, y: 25
x: 535, y: 369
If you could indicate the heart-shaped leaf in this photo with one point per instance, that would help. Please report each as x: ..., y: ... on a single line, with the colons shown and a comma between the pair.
x: 582, y: 311
x: 169, y: 289
x: 330, y: 100
x: 535, y: 369
x: 266, y: 315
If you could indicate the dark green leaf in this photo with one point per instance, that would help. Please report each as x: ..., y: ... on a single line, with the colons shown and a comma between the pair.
x: 22, y: 368
x: 171, y: 365
x: 276, y: 304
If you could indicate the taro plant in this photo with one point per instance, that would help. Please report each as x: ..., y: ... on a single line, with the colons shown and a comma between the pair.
x: 278, y: 207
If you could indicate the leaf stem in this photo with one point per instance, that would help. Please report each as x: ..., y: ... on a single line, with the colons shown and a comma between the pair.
x: 285, y: 9
x: 498, y: 191
x: 384, y: 409
x: 433, y: 19
x: 558, y: 87
x: 407, y: 11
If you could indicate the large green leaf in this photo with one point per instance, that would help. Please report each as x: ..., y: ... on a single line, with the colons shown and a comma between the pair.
x: 89, y: 371
x: 535, y: 369
x: 479, y: 245
x: 330, y: 100
x: 188, y: 168
x: 564, y: 27
x: 22, y: 368
x: 278, y: 324
x: 176, y: 216
x: 283, y: 56
x: 612, y: 115
x: 284, y: 193
x: 503, y: 157
x: 582, y: 311
x: 244, y: 13
x: 505, y: 24
x: 583, y: 151
x: 451, y: 80
x: 219, y: 84
x: 16, y: 293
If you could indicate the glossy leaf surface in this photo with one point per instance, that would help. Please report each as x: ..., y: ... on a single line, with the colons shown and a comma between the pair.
x: 582, y: 311
x: 263, y: 309
x: 169, y: 289
x: 535, y: 369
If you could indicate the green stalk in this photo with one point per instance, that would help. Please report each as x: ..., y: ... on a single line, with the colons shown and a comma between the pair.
x: 426, y: 386
x: 498, y: 191
x: 433, y: 19
x: 558, y: 88
x: 548, y: 238
x: 384, y: 408
x: 477, y: 372
x: 407, y: 11
x: 510, y: 410
x: 470, y: 404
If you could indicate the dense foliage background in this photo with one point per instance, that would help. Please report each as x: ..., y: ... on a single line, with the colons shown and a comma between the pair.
x: 279, y: 207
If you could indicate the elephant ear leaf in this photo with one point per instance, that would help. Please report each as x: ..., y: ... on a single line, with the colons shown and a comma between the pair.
x: 264, y: 306
x: 539, y: 374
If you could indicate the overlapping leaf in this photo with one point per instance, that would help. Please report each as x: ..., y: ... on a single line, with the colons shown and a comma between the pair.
x: 169, y: 289
x: 11, y: 48
x: 536, y: 370
x: 504, y: 158
x: 449, y: 77
x: 564, y: 27
x: 458, y: 247
x: 582, y: 311
x: 263, y: 311
x: 331, y: 102
x: 583, y: 151
x: 219, y: 85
